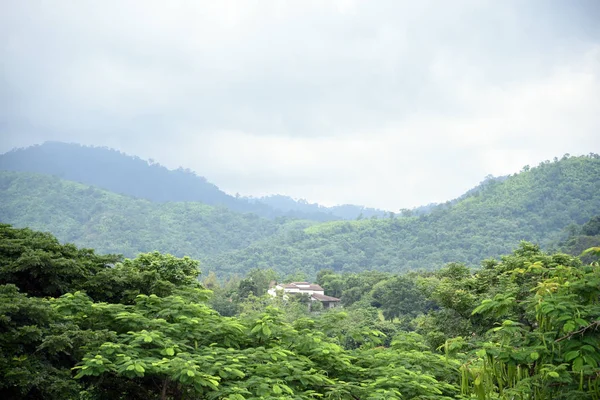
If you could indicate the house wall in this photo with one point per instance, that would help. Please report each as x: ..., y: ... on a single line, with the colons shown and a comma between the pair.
x: 300, y: 290
x: 310, y: 292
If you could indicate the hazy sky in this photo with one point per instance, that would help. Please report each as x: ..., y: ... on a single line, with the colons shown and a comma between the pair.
x: 389, y: 104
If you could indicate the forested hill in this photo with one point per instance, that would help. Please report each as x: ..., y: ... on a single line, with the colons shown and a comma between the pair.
x: 120, y: 173
x: 535, y: 205
x: 581, y: 238
x: 345, y: 211
x: 113, y: 223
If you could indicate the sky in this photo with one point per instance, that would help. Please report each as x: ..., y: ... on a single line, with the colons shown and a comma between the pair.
x: 389, y: 104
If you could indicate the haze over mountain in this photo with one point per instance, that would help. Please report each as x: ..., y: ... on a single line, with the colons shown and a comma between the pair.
x: 537, y: 205
x: 114, y: 223
x: 129, y: 175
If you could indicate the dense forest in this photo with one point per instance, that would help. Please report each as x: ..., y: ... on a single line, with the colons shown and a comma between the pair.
x: 113, y: 223
x: 129, y: 175
x: 535, y: 205
x: 581, y: 237
x: 314, y: 210
x: 78, y: 325
x: 538, y: 204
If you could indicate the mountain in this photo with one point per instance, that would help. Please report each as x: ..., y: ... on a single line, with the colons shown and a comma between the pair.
x: 287, y: 204
x: 129, y: 175
x: 534, y: 205
x: 113, y: 223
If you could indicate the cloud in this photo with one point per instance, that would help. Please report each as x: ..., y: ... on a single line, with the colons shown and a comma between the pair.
x: 389, y: 104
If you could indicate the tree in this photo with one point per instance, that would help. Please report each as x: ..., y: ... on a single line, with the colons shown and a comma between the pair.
x: 399, y: 296
x: 557, y: 353
x: 40, y: 266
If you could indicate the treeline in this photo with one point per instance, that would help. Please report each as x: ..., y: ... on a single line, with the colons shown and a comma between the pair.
x: 78, y: 325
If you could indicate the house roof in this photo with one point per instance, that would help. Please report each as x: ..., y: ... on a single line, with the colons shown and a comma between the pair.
x: 322, y: 297
x: 303, y: 286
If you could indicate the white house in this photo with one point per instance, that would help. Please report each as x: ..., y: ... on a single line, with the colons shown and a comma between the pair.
x: 316, y: 292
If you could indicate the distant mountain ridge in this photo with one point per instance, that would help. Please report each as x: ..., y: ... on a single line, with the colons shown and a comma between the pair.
x: 132, y: 176
x: 536, y: 204
x: 114, y: 223
x: 345, y: 211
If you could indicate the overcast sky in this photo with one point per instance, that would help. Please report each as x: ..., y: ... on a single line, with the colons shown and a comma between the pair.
x: 388, y: 104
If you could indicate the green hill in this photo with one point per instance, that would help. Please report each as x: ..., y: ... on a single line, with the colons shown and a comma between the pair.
x: 132, y: 176
x: 534, y: 205
x: 112, y: 223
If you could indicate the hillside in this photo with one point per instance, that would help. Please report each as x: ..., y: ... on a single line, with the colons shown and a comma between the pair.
x: 581, y: 238
x: 287, y: 204
x: 113, y: 223
x: 534, y: 205
x: 128, y: 175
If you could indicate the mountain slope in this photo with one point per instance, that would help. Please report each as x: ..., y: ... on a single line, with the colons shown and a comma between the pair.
x: 345, y: 211
x: 113, y: 223
x: 115, y: 171
x: 581, y: 238
x: 534, y: 205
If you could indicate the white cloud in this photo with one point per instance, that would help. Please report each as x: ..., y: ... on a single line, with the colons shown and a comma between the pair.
x: 389, y: 104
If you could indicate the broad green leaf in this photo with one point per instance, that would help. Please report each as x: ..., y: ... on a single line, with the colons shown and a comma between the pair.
x: 571, y: 355
x: 569, y: 327
x: 578, y: 364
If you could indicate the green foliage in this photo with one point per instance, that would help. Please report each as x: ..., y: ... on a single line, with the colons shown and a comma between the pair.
x: 112, y: 223
x: 39, y: 265
x: 145, y: 331
x: 150, y: 273
x: 554, y: 352
x: 36, y: 348
x: 582, y: 238
x: 399, y: 296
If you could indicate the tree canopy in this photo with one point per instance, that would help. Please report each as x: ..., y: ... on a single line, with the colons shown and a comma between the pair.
x: 77, y: 325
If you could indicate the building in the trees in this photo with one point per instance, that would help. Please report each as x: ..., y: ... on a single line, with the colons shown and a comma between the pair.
x: 315, y: 292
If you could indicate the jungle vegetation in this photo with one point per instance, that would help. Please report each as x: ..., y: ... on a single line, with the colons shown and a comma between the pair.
x: 75, y: 324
